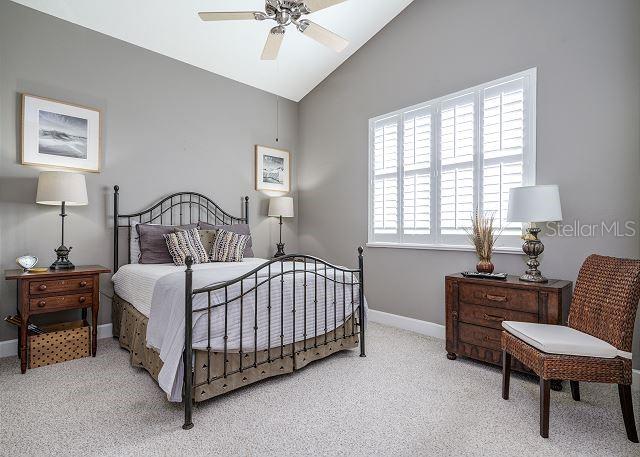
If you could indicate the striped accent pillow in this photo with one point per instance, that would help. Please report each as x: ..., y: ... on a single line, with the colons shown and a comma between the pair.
x: 183, y: 243
x: 229, y: 246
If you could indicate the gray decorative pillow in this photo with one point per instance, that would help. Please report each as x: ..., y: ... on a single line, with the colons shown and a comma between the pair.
x: 153, y: 247
x: 241, y: 229
x: 229, y: 246
x: 183, y: 243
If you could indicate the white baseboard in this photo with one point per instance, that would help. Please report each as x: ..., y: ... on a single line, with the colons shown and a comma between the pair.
x: 10, y: 348
x: 407, y: 323
x: 437, y: 331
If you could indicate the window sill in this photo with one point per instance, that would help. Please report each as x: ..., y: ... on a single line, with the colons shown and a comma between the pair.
x: 442, y: 247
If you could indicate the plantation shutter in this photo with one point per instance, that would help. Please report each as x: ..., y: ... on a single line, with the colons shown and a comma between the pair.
x: 385, y: 178
x: 416, y: 209
x: 503, y: 131
x: 457, y: 145
x: 432, y: 165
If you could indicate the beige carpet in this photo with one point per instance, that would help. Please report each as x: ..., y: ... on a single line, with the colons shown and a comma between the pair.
x: 405, y: 398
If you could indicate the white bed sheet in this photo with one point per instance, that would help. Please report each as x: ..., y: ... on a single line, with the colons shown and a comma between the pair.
x: 135, y: 282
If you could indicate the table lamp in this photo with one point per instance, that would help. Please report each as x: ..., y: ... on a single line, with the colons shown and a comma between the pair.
x: 280, y: 207
x: 531, y: 204
x: 64, y: 189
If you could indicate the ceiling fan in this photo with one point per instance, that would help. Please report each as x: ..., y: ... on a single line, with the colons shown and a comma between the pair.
x: 284, y: 13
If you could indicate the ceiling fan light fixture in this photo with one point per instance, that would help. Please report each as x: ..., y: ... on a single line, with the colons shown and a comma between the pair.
x: 285, y: 13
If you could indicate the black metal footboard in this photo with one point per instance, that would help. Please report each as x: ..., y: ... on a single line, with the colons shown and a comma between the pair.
x: 321, y: 284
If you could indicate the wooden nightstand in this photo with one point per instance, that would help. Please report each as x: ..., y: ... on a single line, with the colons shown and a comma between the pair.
x: 57, y: 290
x: 475, y: 309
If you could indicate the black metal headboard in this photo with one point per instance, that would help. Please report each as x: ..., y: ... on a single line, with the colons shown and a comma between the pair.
x: 179, y: 209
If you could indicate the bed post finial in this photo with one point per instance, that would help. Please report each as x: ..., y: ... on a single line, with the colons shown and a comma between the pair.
x: 187, y: 357
x: 246, y: 209
x: 361, y: 316
x: 116, y: 189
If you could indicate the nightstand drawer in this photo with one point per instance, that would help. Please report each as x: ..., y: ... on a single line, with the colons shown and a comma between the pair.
x: 488, y: 316
x: 500, y: 297
x: 60, y: 302
x: 481, y: 336
x: 78, y: 284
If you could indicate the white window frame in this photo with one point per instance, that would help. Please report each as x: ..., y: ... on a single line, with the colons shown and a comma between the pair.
x: 435, y: 240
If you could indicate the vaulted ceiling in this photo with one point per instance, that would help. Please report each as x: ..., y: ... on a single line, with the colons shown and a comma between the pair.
x: 231, y: 48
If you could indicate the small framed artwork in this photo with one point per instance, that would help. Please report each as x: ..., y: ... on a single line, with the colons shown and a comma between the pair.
x: 58, y: 134
x: 272, y: 169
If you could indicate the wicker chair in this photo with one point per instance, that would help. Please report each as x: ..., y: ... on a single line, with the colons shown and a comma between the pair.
x: 604, y: 306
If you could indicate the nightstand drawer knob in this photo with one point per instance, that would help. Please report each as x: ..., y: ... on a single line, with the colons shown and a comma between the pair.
x: 42, y: 287
x: 82, y: 299
x: 83, y: 283
x: 42, y: 303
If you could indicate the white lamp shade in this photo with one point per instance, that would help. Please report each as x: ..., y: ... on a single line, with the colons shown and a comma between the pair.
x: 281, y: 206
x: 55, y: 187
x: 534, y: 204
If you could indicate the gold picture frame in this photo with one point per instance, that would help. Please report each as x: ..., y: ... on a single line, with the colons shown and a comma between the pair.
x: 57, y: 134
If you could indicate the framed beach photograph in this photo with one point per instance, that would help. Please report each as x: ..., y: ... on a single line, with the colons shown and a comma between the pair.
x: 58, y: 134
x: 272, y: 169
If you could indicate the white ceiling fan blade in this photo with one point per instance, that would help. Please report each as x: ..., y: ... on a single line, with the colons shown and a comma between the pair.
x: 317, y: 5
x: 322, y: 35
x: 274, y: 41
x: 230, y: 16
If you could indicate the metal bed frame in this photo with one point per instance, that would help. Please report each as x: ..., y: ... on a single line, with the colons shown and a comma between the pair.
x: 196, y: 208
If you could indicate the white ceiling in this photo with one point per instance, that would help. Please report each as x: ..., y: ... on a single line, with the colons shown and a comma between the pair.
x: 231, y: 49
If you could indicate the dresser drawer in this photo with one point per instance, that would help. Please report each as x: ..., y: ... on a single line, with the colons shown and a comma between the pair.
x: 77, y: 284
x: 500, y: 297
x: 488, y: 316
x: 480, y: 336
x: 60, y: 302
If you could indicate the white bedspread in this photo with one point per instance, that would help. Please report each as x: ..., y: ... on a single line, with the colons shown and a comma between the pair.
x: 160, y: 288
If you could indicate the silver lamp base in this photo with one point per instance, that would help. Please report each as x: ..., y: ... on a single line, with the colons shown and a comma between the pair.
x: 533, y: 248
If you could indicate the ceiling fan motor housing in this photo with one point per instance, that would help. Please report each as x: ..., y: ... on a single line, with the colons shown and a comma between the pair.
x: 285, y: 11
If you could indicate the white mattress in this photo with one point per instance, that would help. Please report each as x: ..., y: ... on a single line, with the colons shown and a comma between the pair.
x: 135, y: 282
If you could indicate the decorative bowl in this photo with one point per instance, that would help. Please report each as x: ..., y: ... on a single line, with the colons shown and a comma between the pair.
x: 27, y: 262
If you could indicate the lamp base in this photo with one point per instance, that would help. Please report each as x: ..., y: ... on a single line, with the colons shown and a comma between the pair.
x: 536, y: 277
x: 533, y: 247
x: 62, y: 262
x: 280, y: 251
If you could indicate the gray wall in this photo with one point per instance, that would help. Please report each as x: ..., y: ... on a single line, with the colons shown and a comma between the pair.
x: 588, y: 59
x: 166, y: 127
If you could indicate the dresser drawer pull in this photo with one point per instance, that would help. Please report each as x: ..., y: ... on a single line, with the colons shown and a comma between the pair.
x: 42, y: 303
x: 500, y: 298
x: 42, y: 287
x: 82, y: 299
x: 83, y: 283
x: 489, y: 317
x: 491, y: 340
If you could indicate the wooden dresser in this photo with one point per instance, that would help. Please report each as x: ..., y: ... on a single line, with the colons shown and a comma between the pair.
x: 477, y: 307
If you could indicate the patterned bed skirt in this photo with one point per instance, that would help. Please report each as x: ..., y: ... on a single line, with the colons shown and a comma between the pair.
x: 130, y: 327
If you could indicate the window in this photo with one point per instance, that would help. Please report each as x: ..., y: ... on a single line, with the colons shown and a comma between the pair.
x: 433, y: 164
